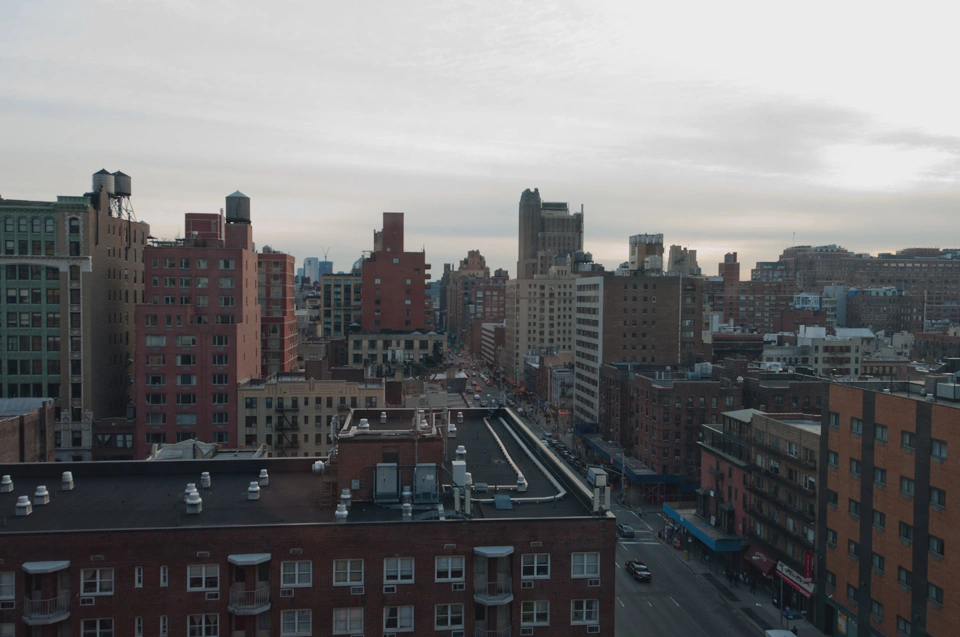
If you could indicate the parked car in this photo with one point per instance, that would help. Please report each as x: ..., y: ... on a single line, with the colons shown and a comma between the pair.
x: 625, y: 530
x: 639, y: 571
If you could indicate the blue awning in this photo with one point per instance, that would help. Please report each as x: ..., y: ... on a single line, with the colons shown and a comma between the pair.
x: 713, y: 537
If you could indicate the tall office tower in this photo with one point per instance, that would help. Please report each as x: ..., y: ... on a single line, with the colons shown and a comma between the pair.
x: 324, y: 267
x: 72, y: 273
x: 394, y: 282
x: 311, y: 269
x: 278, y: 321
x: 198, y: 330
x: 547, y: 230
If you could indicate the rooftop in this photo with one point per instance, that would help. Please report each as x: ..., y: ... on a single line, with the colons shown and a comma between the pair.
x: 11, y: 407
x: 149, y: 495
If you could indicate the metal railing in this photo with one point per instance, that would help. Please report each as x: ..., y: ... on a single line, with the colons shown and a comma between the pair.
x: 249, y: 600
x: 492, y: 588
x: 46, y: 609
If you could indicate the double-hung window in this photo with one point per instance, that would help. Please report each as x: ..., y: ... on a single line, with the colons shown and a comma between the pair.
x: 347, y: 621
x: 203, y: 625
x: 449, y: 568
x: 398, y: 618
x: 535, y: 566
x: 348, y: 573
x: 203, y: 577
x: 8, y: 589
x: 398, y: 570
x: 585, y: 565
x: 296, y: 622
x: 584, y: 611
x: 97, y: 627
x: 448, y: 616
x: 96, y: 581
x: 296, y: 574
x: 535, y: 613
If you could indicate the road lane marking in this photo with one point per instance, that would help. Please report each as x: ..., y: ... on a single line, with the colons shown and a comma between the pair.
x: 621, y: 602
x: 625, y: 543
x: 651, y: 543
x: 649, y: 604
x: 674, y: 601
x: 618, y: 564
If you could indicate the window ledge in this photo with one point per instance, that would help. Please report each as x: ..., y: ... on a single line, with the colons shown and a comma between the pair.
x: 906, y: 496
x: 856, y: 476
x: 905, y: 587
x: 878, y: 528
x: 832, y: 505
x: 905, y: 541
x: 832, y: 545
x: 855, y: 434
x: 908, y: 450
x: 833, y: 467
x: 934, y: 604
x: 937, y: 508
x: 882, y: 443
x: 936, y: 557
x: 854, y: 517
x: 877, y: 572
x: 853, y: 557
x: 938, y: 459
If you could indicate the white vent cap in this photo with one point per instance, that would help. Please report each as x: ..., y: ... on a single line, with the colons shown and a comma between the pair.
x: 364, y: 424
x: 264, y: 478
x: 205, y: 481
x: 23, y: 505
x: 253, y: 491
x: 318, y: 467
x: 341, y: 514
x: 383, y: 416
x: 191, y: 488
x: 66, y: 481
x: 6, y: 484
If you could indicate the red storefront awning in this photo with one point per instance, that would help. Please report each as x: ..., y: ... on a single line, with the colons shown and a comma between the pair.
x: 760, y: 559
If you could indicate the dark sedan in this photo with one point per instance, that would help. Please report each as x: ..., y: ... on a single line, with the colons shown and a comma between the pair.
x: 625, y: 530
x: 639, y: 571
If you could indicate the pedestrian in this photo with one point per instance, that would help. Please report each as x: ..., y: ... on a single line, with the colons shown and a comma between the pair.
x: 753, y: 586
x: 794, y: 630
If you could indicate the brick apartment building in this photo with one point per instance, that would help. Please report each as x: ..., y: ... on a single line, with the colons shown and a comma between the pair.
x: 199, y: 329
x: 278, y: 322
x: 888, y: 521
x: 492, y: 342
x: 126, y: 551
x: 394, y: 282
x: 885, y: 309
x: 27, y: 430
x: 72, y: 272
x: 340, y: 303
x: 632, y: 318
x: 756, y: 305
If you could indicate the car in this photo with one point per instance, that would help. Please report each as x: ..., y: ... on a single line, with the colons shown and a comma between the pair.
x: 489, y: 383
x: 625, y: 530
x: 639, y: 571
x: 476, y: 389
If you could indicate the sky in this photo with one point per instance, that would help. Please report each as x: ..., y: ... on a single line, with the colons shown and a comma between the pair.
x: 726, y: 126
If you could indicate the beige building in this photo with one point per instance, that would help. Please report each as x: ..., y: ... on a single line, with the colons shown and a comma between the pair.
x: 539, y: 317
x: 72, y: 272
x: 296, y: 416
x: 366, y: 349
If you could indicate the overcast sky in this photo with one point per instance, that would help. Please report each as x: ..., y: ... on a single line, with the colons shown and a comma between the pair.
x: 726, y: 126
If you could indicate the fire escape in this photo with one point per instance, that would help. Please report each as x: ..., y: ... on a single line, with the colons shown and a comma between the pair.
x: 287, y: 426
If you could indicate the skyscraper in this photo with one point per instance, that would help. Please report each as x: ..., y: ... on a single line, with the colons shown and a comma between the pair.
x: 547, y: 230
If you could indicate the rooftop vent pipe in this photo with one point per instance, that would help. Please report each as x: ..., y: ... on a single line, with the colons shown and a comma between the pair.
x: 346, y: 497
x: 318, y: 467
x: 23, y: 505
x: 6, y: 484
x: 407, y: 512
x: 264, y: 478
x: 383, y: 416
x: 521, y: 483
x: 451, y: 431
x: 205, y: 480
x: 191, y: 488
x: 461, y: 453
x: 194, y: 503
x: 42, y: 496
x: 66, y: 481
x: 253, y: 491
x: 341, y: 514
x: 364, y: 425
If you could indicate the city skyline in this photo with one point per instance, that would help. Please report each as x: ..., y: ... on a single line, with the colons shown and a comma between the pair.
x: 729, y: 133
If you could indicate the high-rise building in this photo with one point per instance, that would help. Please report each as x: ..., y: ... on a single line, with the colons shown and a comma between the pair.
x: 72, y: 272
x: 198, y: 330
x: 278, y: 321
x: 888, y: 522
x: 394, y: 282
x: 311, y: 269
x: 340, y: 303
x: 646, y: 252
x: 682, y: 261
x: 547, y: 230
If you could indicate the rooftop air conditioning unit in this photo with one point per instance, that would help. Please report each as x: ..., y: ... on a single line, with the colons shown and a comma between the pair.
x: 593, y: 630
x: 356, y: 590
x: 459, y: 586
x: 286, y: 592
x: 87, y: 601
x: 213, y: 596
x: 389, y: 589
x: 593, y: 582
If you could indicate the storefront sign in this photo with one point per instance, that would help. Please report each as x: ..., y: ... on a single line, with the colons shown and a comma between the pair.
x: 794, y: 579
x: 808, y: 566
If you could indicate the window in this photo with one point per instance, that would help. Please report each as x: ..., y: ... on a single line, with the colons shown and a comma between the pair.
x: 186, y: 341
x: 221, y: 340
x: 347, y: 620
x: 906, y: 486
x: 97, y: 627
x: 398, y: 570
x: 832, y: 498
x: 535, y: 566
x: 164, y: 626
x: 138, y: 577
x: 226, y: 282
x: 221, y: 379
x: 935, y: 594
x: 585, y: 565
x: 906, y: 439
x: 156, y: 341
x: 938, y: 449
x: 221, y: 399
x: 855, y: 467
x: 203, y: 625
x: 854, y: 508
x: 904, y: 577
x: 164, y: 576
x: 295, y: 622
x: 226, y: 301
x: 856, y: 426
x: 880, y: 476
x: 585, y: 611
x: 936, y: 546
x: 535, y: 613
x: 879, y: 519
x: 203, y: 577
x: 8, y: 585
x: 250, y: 403
x: 831, y: 580
x: 138, y: 627
x: 852, y: 593
x: 448, y: 616
x: 296, y: 573
x: 877, y: 561
x: 399, y: 618
x: 97, y: 581
x: 938, y: 497
x: 903, y: 626
x: 880, y: 433
x: 220, y: 359
x: 833, y: 459
x: 226, y: 264
x: 876, y: 610
x: 853, y: 549
x: 449, y: 569
x: 906, y: 532
x: 831, y: 537
x: 347, y: 572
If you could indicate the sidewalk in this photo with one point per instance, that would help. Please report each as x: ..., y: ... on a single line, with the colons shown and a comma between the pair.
x: 757, y: 608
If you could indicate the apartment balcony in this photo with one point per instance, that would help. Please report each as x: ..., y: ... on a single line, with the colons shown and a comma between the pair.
x: 492, y: 592
x: 249, y: 602
x: 503, y: 632
x: 40, y: 612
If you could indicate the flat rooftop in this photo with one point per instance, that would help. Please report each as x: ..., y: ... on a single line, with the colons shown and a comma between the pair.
x: 129, y: 495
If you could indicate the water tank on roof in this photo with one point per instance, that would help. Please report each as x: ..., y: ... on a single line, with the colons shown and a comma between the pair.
x: 122, y: 184
x: 105, y: 180
x: 238, y: 208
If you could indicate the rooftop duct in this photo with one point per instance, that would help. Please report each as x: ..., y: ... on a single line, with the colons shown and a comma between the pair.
x: 264, y: 478
x: 253, y: 491
x: 191, y: 488
x: 194, y: 503
x: 205, y: 480
x: 6, y: 484
x: 23, y: 505
x: 42, y: 496
x: 66, y: 481
x: 341, y: 514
